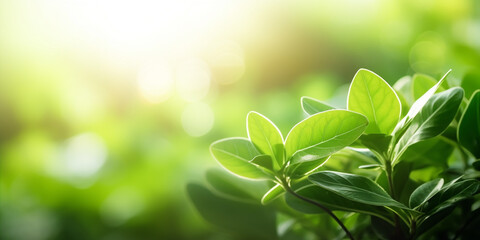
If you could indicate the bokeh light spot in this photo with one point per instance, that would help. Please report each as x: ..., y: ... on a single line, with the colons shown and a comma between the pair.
x: 155, y: 82
x: 197, y: 119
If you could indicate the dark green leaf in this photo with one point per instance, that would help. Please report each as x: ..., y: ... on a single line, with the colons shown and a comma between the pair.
x: 354, y: 187
x: 333, y: 202
x: 313, y: 106
x: 431, y: 120
x: 371, y: 96
x: 424, y: 192
x: 449, y: 195
x: 469, y: 126
x: 417, y: 106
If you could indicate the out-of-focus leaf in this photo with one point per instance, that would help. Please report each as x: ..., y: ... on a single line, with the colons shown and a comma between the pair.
x: 424, y: 192
x: 313, y: 106
x: 355, y: 188
x: 471, y: 83
x: 235, y: 155
x: 371, y: 96
x: 476, y: 165
x: 469, y: 126
x: 431, y: 120
x: 223, y: 183
x: 402, y: 88
x: 421, y: 83
x: 332, y: 201
x: 266, y: 137
x: 431, y: 152
x: 322, y: 134
x: 272, y: 194
x: 250, y: 221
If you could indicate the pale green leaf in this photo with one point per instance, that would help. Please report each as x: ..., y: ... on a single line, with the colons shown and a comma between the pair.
x: 235, y: 154
x: 266, y: 137
x: 371, y: 96
x: 272, y: 194
x: 322, y: 134
x: 312, y: 106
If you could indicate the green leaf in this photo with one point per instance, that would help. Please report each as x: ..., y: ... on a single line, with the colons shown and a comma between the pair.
x: 371, y: 96
x: 235, y: 154
x: 449, y: 195
x: 313, y: 106
x: 264, y: 161
x: 227, y: 184
x: 421, y: 83
x: 417, y: 106
x: 471, y: 82
x: 469, y: 126
x: 266, y: 137
x: 378, y: 143
x: 424, y: 192
x: 403, y: 89
x: 300, y: 169
x: 355, y: 188
x: 272, y: 194
x: 322, y: 134
x: 245, y: 220
x: 332, y: 201
x: 431, y: 120
x: 476, y: 165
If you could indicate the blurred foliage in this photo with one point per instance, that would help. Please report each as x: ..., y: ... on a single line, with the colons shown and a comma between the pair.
x: 88, y: 151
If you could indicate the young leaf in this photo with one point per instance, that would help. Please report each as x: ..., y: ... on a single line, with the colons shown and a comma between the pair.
x: 416, y: 107
x: 432, y: 119
x: 272, y: 194
x: 235, y: 155
x: 355, y: 188
x: 469, y: 126
x: 371, y: 96
x: 403, y: 89
x: 424, y: 192
x: 421, y: 83
x: 313, y: 106
x: 322, y: 134
x: 265, y: 136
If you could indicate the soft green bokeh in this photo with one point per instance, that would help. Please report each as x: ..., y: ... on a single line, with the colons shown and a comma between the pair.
x: 108, y: 108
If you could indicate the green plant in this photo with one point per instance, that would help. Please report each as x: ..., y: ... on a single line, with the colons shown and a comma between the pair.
x: 409, y: 174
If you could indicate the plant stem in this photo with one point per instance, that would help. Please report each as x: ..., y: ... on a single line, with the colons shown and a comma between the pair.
x: 328, y: 211
x: 388, y: 171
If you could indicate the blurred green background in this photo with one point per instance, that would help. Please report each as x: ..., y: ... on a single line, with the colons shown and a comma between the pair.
x: 107, y: 108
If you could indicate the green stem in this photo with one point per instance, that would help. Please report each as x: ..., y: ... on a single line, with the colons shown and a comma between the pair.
x: 319, y: 205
